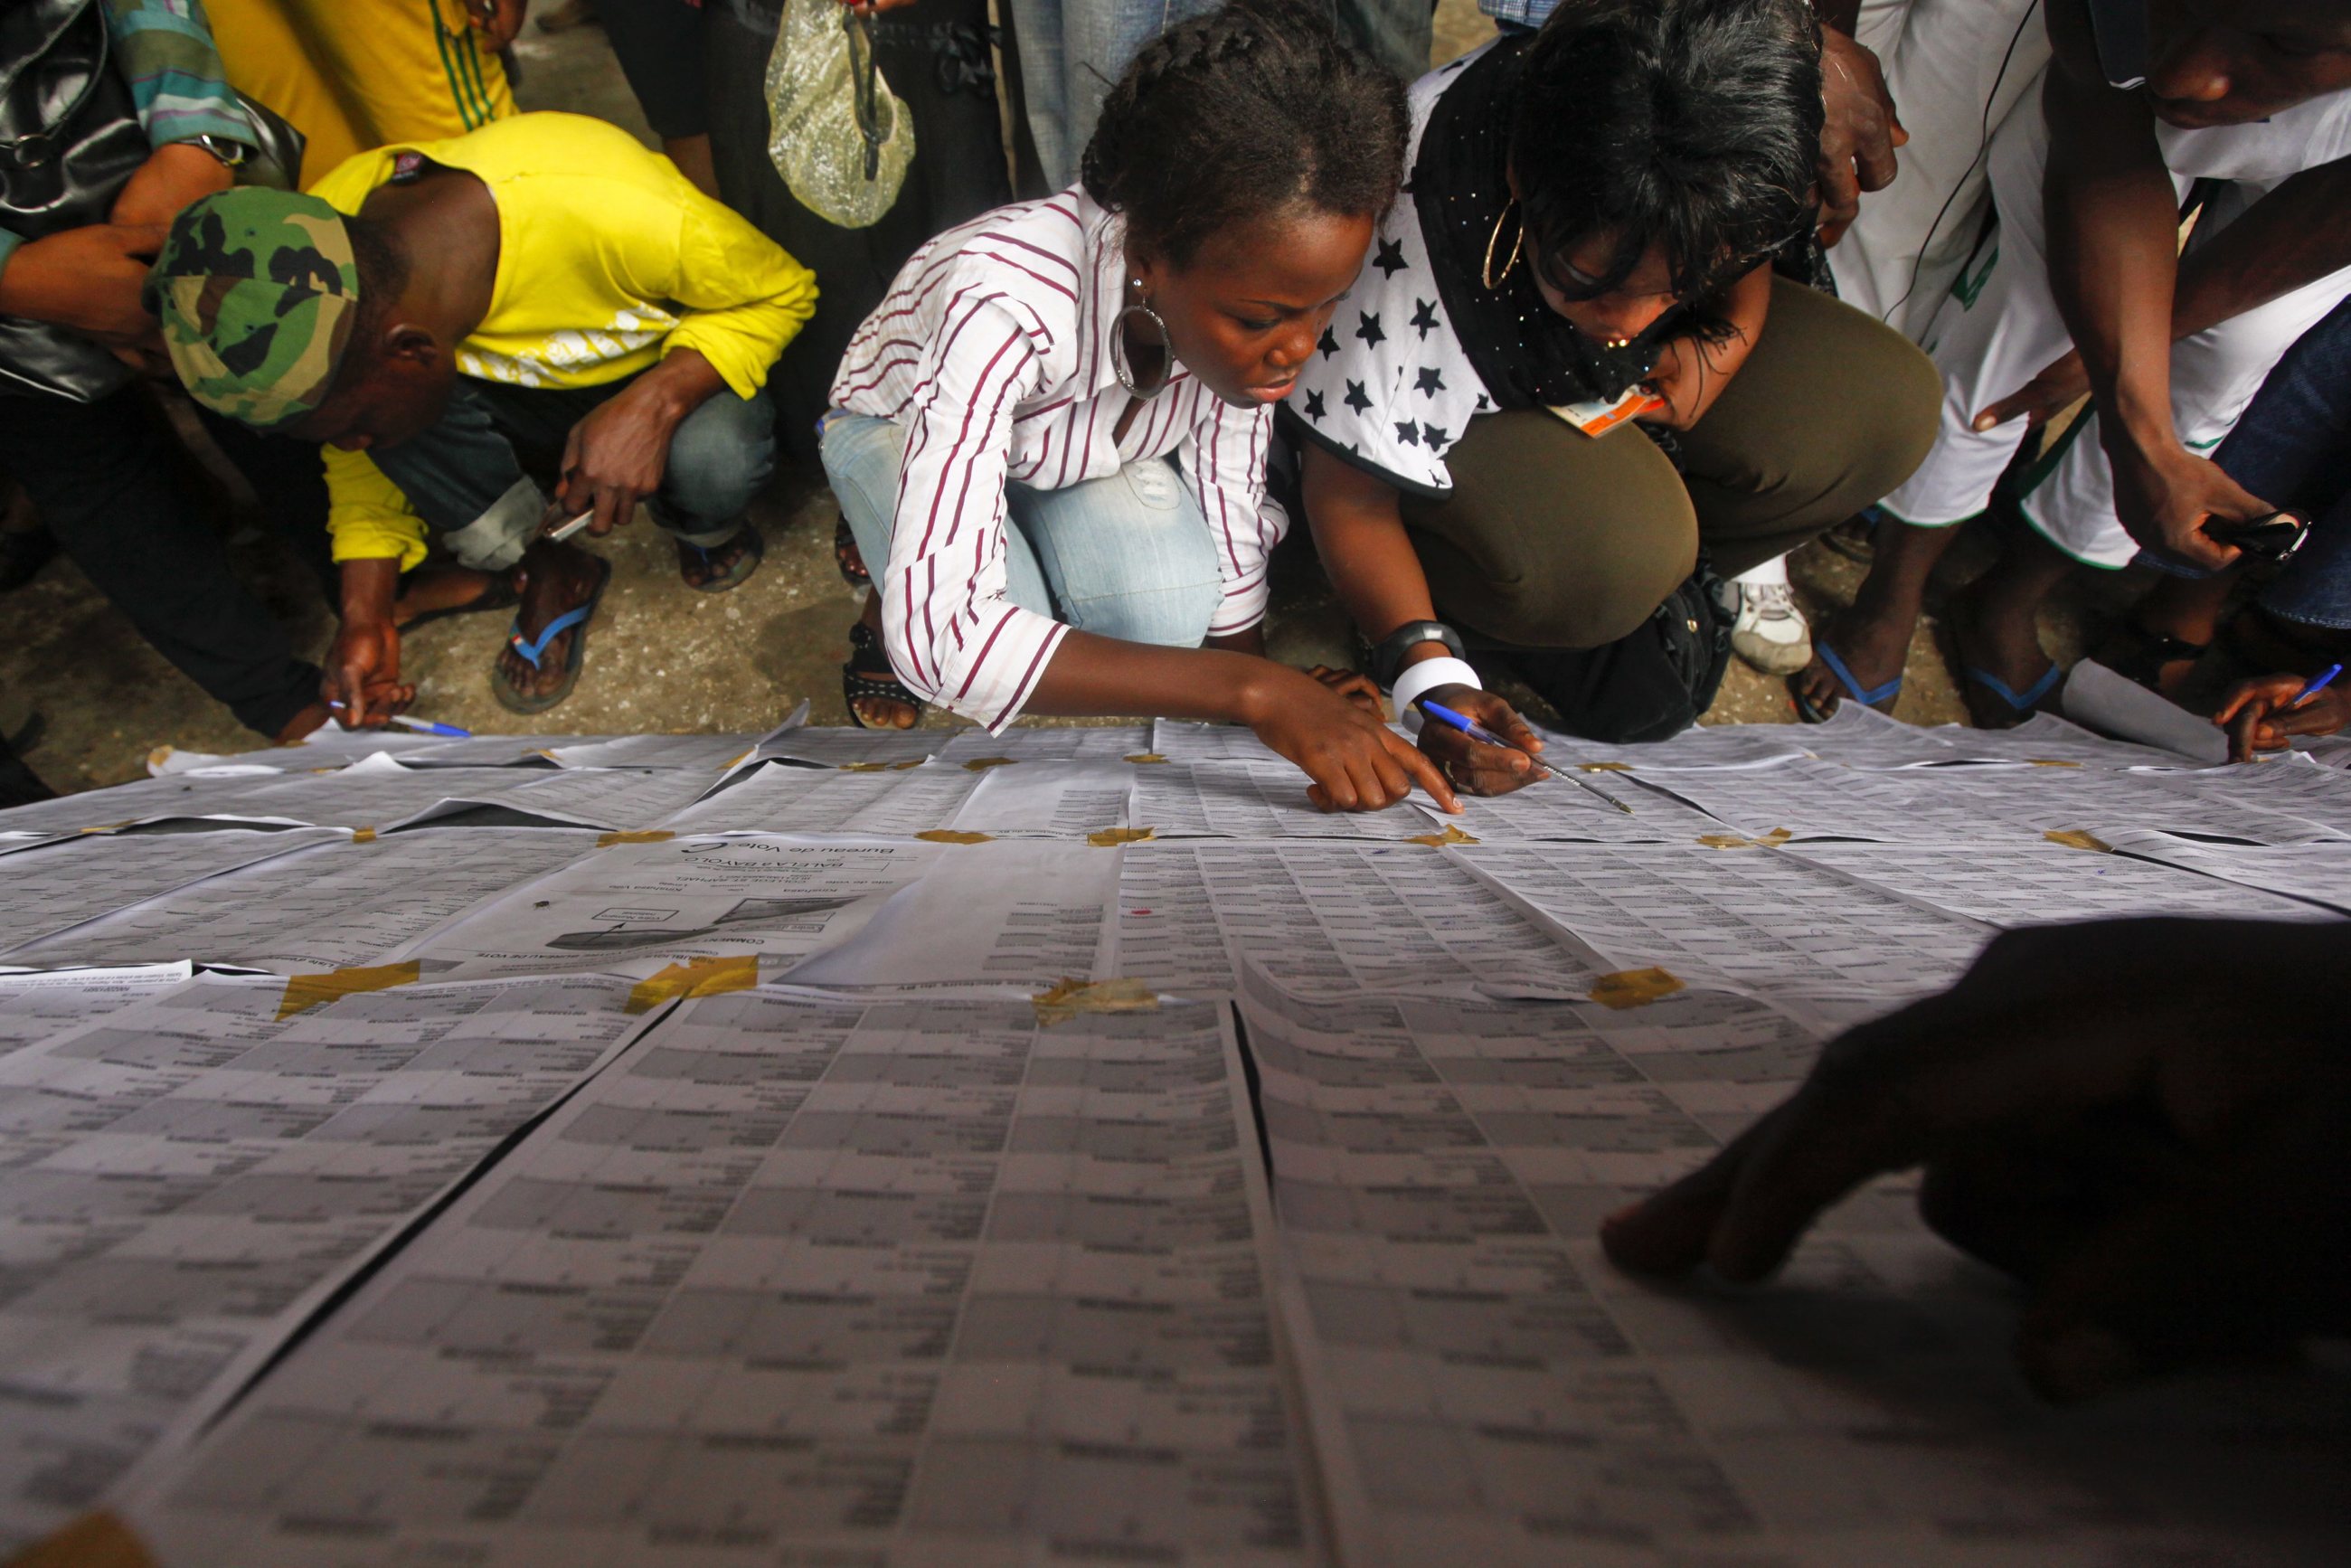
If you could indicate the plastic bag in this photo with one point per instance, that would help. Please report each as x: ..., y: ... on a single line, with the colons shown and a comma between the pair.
x: 840, y: 137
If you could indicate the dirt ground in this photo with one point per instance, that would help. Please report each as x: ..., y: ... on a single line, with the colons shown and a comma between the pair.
x: 664, y: 658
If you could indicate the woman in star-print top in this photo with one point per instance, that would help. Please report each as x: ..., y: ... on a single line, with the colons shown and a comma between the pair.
x: 1591, y: 216
x: 1049, y: 440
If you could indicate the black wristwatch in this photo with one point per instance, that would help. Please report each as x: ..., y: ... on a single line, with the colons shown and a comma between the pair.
x: 1387, y: 658
x: 232, y: 154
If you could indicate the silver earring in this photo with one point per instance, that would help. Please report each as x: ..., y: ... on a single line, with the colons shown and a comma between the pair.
x: 1142, y: 306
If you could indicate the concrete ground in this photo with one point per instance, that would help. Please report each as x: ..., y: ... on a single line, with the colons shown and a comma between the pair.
x: 664, y: 658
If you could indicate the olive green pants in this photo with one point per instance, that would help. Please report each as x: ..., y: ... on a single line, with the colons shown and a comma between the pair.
x: 1552, y: 538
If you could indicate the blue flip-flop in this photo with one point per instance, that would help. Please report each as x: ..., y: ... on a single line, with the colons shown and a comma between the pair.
x: 1867, y: 696
x: 2023, y: 704
x: 512, y: 699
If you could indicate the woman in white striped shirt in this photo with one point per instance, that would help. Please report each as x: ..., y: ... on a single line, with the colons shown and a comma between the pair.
x: 1050, y: 441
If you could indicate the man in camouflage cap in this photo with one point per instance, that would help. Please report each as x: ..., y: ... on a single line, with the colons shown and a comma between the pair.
x: 257, y: 292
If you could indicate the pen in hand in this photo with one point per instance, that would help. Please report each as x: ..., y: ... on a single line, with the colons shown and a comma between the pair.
x: 2315, y: 686
x: 421, y: 726
x: 1537, y: 774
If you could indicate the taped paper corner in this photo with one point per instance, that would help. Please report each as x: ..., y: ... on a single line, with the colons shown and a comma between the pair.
x: 1636, y: 988
x: 1073, y: 999
x: 695, y: 977
x: 304, y: 992
x: 1451, y: 835
x: 1111, y: 838
x: 648, y: 836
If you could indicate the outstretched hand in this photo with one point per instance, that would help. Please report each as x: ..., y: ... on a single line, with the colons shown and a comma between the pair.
x: 2097, y: 1113
x: 1356, y: 762
x: 1473, y: 766
x: 1859, y: 132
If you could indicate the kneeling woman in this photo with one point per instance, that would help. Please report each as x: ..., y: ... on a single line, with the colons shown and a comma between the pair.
x: 1591, y: 215
x: 1050, y: 441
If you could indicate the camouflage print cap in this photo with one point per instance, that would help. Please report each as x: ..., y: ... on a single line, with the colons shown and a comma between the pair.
x: 257, y: 292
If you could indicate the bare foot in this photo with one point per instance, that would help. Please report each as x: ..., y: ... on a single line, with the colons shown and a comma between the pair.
x: 1874, y: 648
x: 433, y: 590
x: 552, y: 579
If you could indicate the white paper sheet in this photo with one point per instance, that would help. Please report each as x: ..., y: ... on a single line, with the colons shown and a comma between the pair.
x: 1485, y: 1388
x: 190, y: 1175
x: 36, y: 1004
x: 810, y: 1284
x: 637, y: 908
x: 57, y: 887
x: 333, y: 906
x: 1255, y: 801
x: 1332, y: 919
x: 2034, y: 884
x: 780, y: 798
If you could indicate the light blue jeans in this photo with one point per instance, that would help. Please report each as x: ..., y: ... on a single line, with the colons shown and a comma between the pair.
x: 1127, y: 555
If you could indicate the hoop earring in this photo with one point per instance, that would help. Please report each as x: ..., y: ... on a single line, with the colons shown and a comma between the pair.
x: 1120, y: 363
x: 1486, y: 275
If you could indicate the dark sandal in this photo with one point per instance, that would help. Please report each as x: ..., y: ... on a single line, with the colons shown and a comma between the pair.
x: 754, y: 550
x: 848, y: 558
x: 500, y: 595
x: 860, y: 683
x: 1881, y: 697
x: 574, y: 620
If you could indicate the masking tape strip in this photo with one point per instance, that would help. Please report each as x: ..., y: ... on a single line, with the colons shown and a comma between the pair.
x: 2050, y: 762
x: 649, y: 836
x: 1072, y: 998
x: 1143, y: 757
x: 950, y: 836
x: 304, y: 992
x: 363, y: 835
x: 1636, y: 988
x: 1770, y: 841
x: 982, y: 764
x: 1111, y: 838
x: 1605, y: 766
x: 2076, y: 839
x: 1451, y: 835
x: 695, y: 977
x: 97, y: 1540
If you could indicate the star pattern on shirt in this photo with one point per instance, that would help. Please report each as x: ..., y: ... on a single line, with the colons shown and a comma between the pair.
x: 1434, y: 434
x: 1369, y: 332
x: 1357, y: 398
x: 1429, y: 382
x: 1408, y: 432
x: 1314, y: 410
x: 1389, y: 258
x: 1424, y: 318
x: 1485, y: 403
x: 1329, y: 345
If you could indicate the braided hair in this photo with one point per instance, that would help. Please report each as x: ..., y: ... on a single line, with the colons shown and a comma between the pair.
x: 1249, y: 111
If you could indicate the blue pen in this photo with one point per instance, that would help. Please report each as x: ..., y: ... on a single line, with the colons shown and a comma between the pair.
x: 2314, y: 687
x: 421, y: 726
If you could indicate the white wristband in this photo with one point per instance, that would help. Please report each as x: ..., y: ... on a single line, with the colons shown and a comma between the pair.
x: 1427, y: 675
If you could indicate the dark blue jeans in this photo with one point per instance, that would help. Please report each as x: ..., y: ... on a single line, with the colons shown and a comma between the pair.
x: 2292, y: 449
x: 464, y: 476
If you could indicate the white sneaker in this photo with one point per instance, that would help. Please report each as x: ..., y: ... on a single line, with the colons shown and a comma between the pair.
x: 1771, y: 633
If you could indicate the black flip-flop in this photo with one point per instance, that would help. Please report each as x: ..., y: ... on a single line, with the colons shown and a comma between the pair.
x: 755, y: 552
x: 574, y: 620
x: 860, y: 683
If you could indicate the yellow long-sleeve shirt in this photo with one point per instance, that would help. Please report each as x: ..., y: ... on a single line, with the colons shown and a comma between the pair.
x: 608, y: 260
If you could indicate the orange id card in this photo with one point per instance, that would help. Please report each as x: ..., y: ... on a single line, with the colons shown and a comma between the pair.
x: 1597, y: 418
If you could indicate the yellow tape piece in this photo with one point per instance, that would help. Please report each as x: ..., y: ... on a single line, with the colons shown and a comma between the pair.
x: 1451, y: 835
x: 304, y: 992
x: 111, y: 827
x: 1111, y: 838
x: 1142, y: 757
x: 363, y: 835
x: 982, y: 764
x: 1072, y: 998
x: 649, y: 836
x: 911, y: 763
x: 949, y: 836
x: 1636, y: 988
x: 94, y: 1540
x: 1605, y: 766
x: 1770, y: 841
x: 732, y: 762
x: 160, y: 755
x: 695, y: 977
x: 2050, y: 762
x: 2075, y: 839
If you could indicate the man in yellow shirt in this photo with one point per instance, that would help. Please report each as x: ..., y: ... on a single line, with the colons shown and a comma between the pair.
x: 430, y: 308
